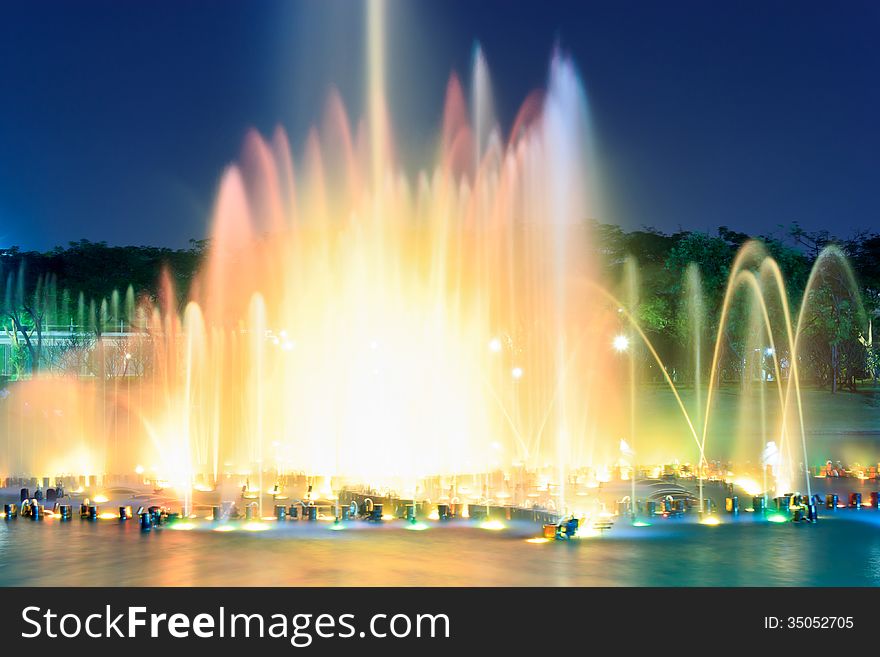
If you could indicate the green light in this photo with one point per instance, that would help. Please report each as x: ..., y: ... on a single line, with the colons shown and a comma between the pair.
x: 639, y: 523
x: 181, y: 526
x: 416, y: 527
x: 777, y: 517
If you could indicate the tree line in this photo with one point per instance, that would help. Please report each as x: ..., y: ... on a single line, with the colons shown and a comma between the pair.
x: 836, y: 347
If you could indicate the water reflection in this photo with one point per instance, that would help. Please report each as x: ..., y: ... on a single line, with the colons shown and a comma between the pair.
x: 835, y: 552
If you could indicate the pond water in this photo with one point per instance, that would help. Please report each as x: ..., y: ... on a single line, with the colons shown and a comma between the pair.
x: 842, y: 549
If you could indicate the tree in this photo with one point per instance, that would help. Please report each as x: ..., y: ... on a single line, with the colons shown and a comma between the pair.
x: 713, y: 256
x: 833, y: 327
x: 28, y: 313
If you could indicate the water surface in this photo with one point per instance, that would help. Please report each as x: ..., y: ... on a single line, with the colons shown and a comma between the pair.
x: 840, y: 550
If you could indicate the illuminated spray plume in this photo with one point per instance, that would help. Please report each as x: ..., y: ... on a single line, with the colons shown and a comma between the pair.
x: 355, y: 319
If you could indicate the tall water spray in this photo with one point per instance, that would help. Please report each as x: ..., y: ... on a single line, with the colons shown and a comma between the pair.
x: 357, y: 321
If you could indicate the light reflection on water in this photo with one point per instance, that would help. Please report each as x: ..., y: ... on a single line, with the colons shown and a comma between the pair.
x: 837, y: 551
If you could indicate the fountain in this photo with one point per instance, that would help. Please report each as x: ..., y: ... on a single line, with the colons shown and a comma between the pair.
x: 389, y: 331
x: 355, y: 322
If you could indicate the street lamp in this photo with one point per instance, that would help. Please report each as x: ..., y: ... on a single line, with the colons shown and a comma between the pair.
x: 620, y: 343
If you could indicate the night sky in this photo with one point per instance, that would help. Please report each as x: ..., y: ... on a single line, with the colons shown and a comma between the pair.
x: 117, y: 118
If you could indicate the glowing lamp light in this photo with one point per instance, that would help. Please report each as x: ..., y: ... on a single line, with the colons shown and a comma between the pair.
x: 495, y: 345
x: 101, y: 499
x: 139, y: 469
x: 712, y: 521
x: 620, y: 343
x: 224, y: 528
x: 777, y: 517
x: 255, y: 527
x: 416, y: 527
x: 750, y: 486
x: 107, y: 516
x: 516, y: 373
x: 492, y: 525
x: 183, y: 526
x: 640, y: 523
x: 538, y: 540
x: 434, y: 515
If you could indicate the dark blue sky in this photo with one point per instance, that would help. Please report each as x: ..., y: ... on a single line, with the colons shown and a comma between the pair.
x: 116, y: 118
